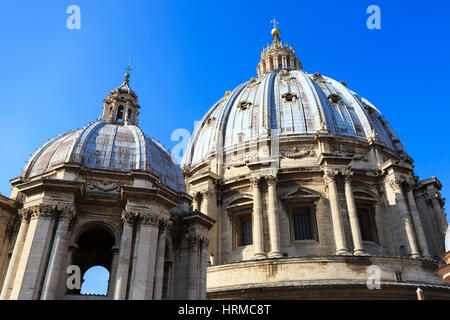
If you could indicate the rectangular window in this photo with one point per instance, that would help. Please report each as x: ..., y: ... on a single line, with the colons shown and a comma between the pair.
x: 366, y: 224
x: 303, y: 228
x: 245, y: 236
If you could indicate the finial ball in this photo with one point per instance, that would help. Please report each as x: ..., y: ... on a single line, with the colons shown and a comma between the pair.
x: 127, y: 76
x: 275, y: 32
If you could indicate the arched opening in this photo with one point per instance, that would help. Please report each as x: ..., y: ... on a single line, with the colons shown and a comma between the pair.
x: 95, y: 281
x: 129, y: 115
x: 119, y: 117
x: 94, y: 255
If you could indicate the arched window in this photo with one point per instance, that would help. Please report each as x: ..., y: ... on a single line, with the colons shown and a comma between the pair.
x: 119, y: 117
x: 129, y: 115
x: 95, y: 281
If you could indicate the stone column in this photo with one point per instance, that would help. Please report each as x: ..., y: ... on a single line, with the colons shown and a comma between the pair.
x: 17, y: 251
x: 33, y: 261
x: 193, y: 274
x: 338, y: 230
x: 195, y: 202
x: 204, y: 243
x: 258, y: 231
x: 146, y: 246
x: 352, y: 214
x: 433, y: 196
x: 396, y: 186
x: 160, y: 260
x: 209, y: 207
x: 113, y: 273
x: 55, y: 264
x: 274, y: 225
x: 417, y: 222
x: 123, y: 268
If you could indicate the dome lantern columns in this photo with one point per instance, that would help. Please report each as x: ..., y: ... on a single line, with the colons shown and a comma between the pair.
x: 121, y: 105
x: 277, y: 56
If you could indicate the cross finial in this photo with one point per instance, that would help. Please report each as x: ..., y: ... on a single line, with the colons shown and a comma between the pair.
x: 275, y: 22
x: 129, y: 66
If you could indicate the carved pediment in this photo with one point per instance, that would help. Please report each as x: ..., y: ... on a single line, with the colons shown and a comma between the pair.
x: 300, y: 192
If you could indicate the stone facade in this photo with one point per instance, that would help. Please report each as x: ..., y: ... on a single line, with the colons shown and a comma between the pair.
x: 327, y: 197
x: 105, y: 195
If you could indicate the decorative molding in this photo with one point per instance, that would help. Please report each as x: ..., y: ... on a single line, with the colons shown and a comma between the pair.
x: 241, y: 162
x: 104, y: 185
x: 351, y: 153
x: 297, y: 153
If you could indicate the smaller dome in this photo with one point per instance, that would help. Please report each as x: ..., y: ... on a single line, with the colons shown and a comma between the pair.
x: 107, y: 146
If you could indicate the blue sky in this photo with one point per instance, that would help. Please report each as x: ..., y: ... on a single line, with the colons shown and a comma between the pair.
x: 186, y: 54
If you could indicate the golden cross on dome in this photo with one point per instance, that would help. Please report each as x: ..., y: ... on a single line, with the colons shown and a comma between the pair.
x: 275, y: 22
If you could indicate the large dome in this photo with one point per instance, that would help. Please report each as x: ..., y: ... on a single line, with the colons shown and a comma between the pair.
x: 284, y: 100
x: 292, y: 102
x: 113, y: 143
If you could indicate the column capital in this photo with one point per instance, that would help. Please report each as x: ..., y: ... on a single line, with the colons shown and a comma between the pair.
x: 194, y: 238
x: 348, y: 174
x: 66, y: 212
x: 396, y: 182
x: 128, y: 216
x: 24, y: 214
x: 254, y: 181
x: 208, y: 193
x: 149, y: 219
x: 271, y: 180
x: 42, y: 211
x: 329, y: 175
